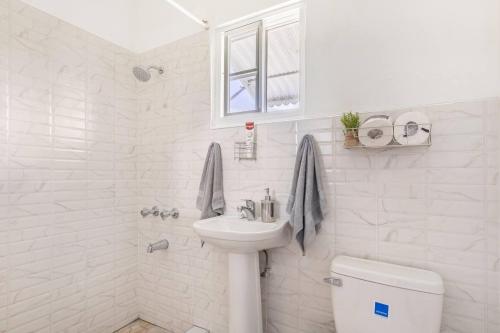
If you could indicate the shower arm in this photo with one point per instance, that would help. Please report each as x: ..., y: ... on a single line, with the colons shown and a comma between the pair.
x: 157, y: 68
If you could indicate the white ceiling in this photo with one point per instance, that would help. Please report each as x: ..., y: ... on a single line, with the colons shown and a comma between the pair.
x: 140, y: 25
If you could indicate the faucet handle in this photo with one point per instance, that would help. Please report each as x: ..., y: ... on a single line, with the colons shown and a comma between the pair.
x: 174, y: 213
x: 153, y: 211
x: 145, y: 212
x: 249, y: 203
x: 247, y: 211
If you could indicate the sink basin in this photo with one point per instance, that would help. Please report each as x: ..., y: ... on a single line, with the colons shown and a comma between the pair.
x: 241, y: 236
x: 243, y: 240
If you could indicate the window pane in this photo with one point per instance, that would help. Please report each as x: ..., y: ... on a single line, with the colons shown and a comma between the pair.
x: 243, y: 52
x: 242, y: 94
x: 283, y: 67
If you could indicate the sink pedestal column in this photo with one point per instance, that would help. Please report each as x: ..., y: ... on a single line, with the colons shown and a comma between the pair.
x: 245, y: 306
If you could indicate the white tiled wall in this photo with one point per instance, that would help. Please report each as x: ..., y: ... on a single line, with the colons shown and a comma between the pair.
x: 68, y: 232
x: 72, y: 182
x: 427, y: 207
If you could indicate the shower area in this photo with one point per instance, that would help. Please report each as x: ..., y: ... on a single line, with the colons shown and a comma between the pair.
x: 72, y: 184
x: 68, y: 177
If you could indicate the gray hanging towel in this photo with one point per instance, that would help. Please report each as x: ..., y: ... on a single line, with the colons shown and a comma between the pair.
x: 210, y: 198
x: 307, y: 201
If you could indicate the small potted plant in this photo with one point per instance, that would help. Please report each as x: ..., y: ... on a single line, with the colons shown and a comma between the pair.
x: 351, y: 124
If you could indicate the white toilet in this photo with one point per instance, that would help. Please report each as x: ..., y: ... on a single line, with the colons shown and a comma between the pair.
x: 376, y: 297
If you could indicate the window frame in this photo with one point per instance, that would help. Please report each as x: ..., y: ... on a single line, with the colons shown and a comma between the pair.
x: 289, y: 13
x: 256, y: 26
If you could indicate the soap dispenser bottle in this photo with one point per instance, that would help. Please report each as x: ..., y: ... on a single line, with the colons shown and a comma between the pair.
x: 267, y: 208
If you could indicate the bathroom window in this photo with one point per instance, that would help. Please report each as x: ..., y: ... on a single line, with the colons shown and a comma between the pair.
x: 258, y: 68
x: 242, y: 69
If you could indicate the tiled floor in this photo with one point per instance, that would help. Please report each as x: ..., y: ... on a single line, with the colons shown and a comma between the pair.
x: 141, y: 326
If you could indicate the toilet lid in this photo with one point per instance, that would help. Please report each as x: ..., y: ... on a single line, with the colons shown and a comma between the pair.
x: 389, y: 274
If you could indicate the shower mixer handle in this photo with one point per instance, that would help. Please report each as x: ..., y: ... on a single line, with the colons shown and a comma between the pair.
x: 155, y: 211
x: 164, y: 213
x: 174, y: 213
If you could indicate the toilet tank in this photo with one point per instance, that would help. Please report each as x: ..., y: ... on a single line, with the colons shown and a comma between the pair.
x: 376, y: 297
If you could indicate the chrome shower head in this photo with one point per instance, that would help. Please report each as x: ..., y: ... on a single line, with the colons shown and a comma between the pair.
x: 143, y: 74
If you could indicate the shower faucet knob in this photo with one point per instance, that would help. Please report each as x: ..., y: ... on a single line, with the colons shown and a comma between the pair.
x: 155, y: 211
x: 145, y: 212
x: 174, y: 213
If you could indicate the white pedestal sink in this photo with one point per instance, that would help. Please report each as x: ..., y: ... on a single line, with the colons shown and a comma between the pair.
x: 243, y: 239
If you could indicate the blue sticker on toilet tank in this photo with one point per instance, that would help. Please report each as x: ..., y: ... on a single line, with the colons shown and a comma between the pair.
x: 381, y: 309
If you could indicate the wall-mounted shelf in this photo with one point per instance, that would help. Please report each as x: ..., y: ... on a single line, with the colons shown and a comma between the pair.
x: 389, y: 146
x: 243, y: 152
x: 404, y: 137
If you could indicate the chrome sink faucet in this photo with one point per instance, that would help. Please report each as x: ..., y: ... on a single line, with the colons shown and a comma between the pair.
x: 247, y: 211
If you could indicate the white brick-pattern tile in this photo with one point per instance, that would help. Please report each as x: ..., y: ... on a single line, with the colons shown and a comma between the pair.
x: 433, y: 208
x: 68, y: 191
x: 83, y: 147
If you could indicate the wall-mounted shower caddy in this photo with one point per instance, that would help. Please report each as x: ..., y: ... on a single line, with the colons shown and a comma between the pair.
x: 244, y: 151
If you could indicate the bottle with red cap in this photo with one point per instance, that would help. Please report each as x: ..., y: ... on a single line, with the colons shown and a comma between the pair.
x: 250, y: 138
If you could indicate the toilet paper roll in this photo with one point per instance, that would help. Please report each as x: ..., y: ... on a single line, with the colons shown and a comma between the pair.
x: 376, y: 131
x: 412, y: 128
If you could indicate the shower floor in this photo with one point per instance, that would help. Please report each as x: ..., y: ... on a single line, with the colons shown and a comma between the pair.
x: 141, y: 326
